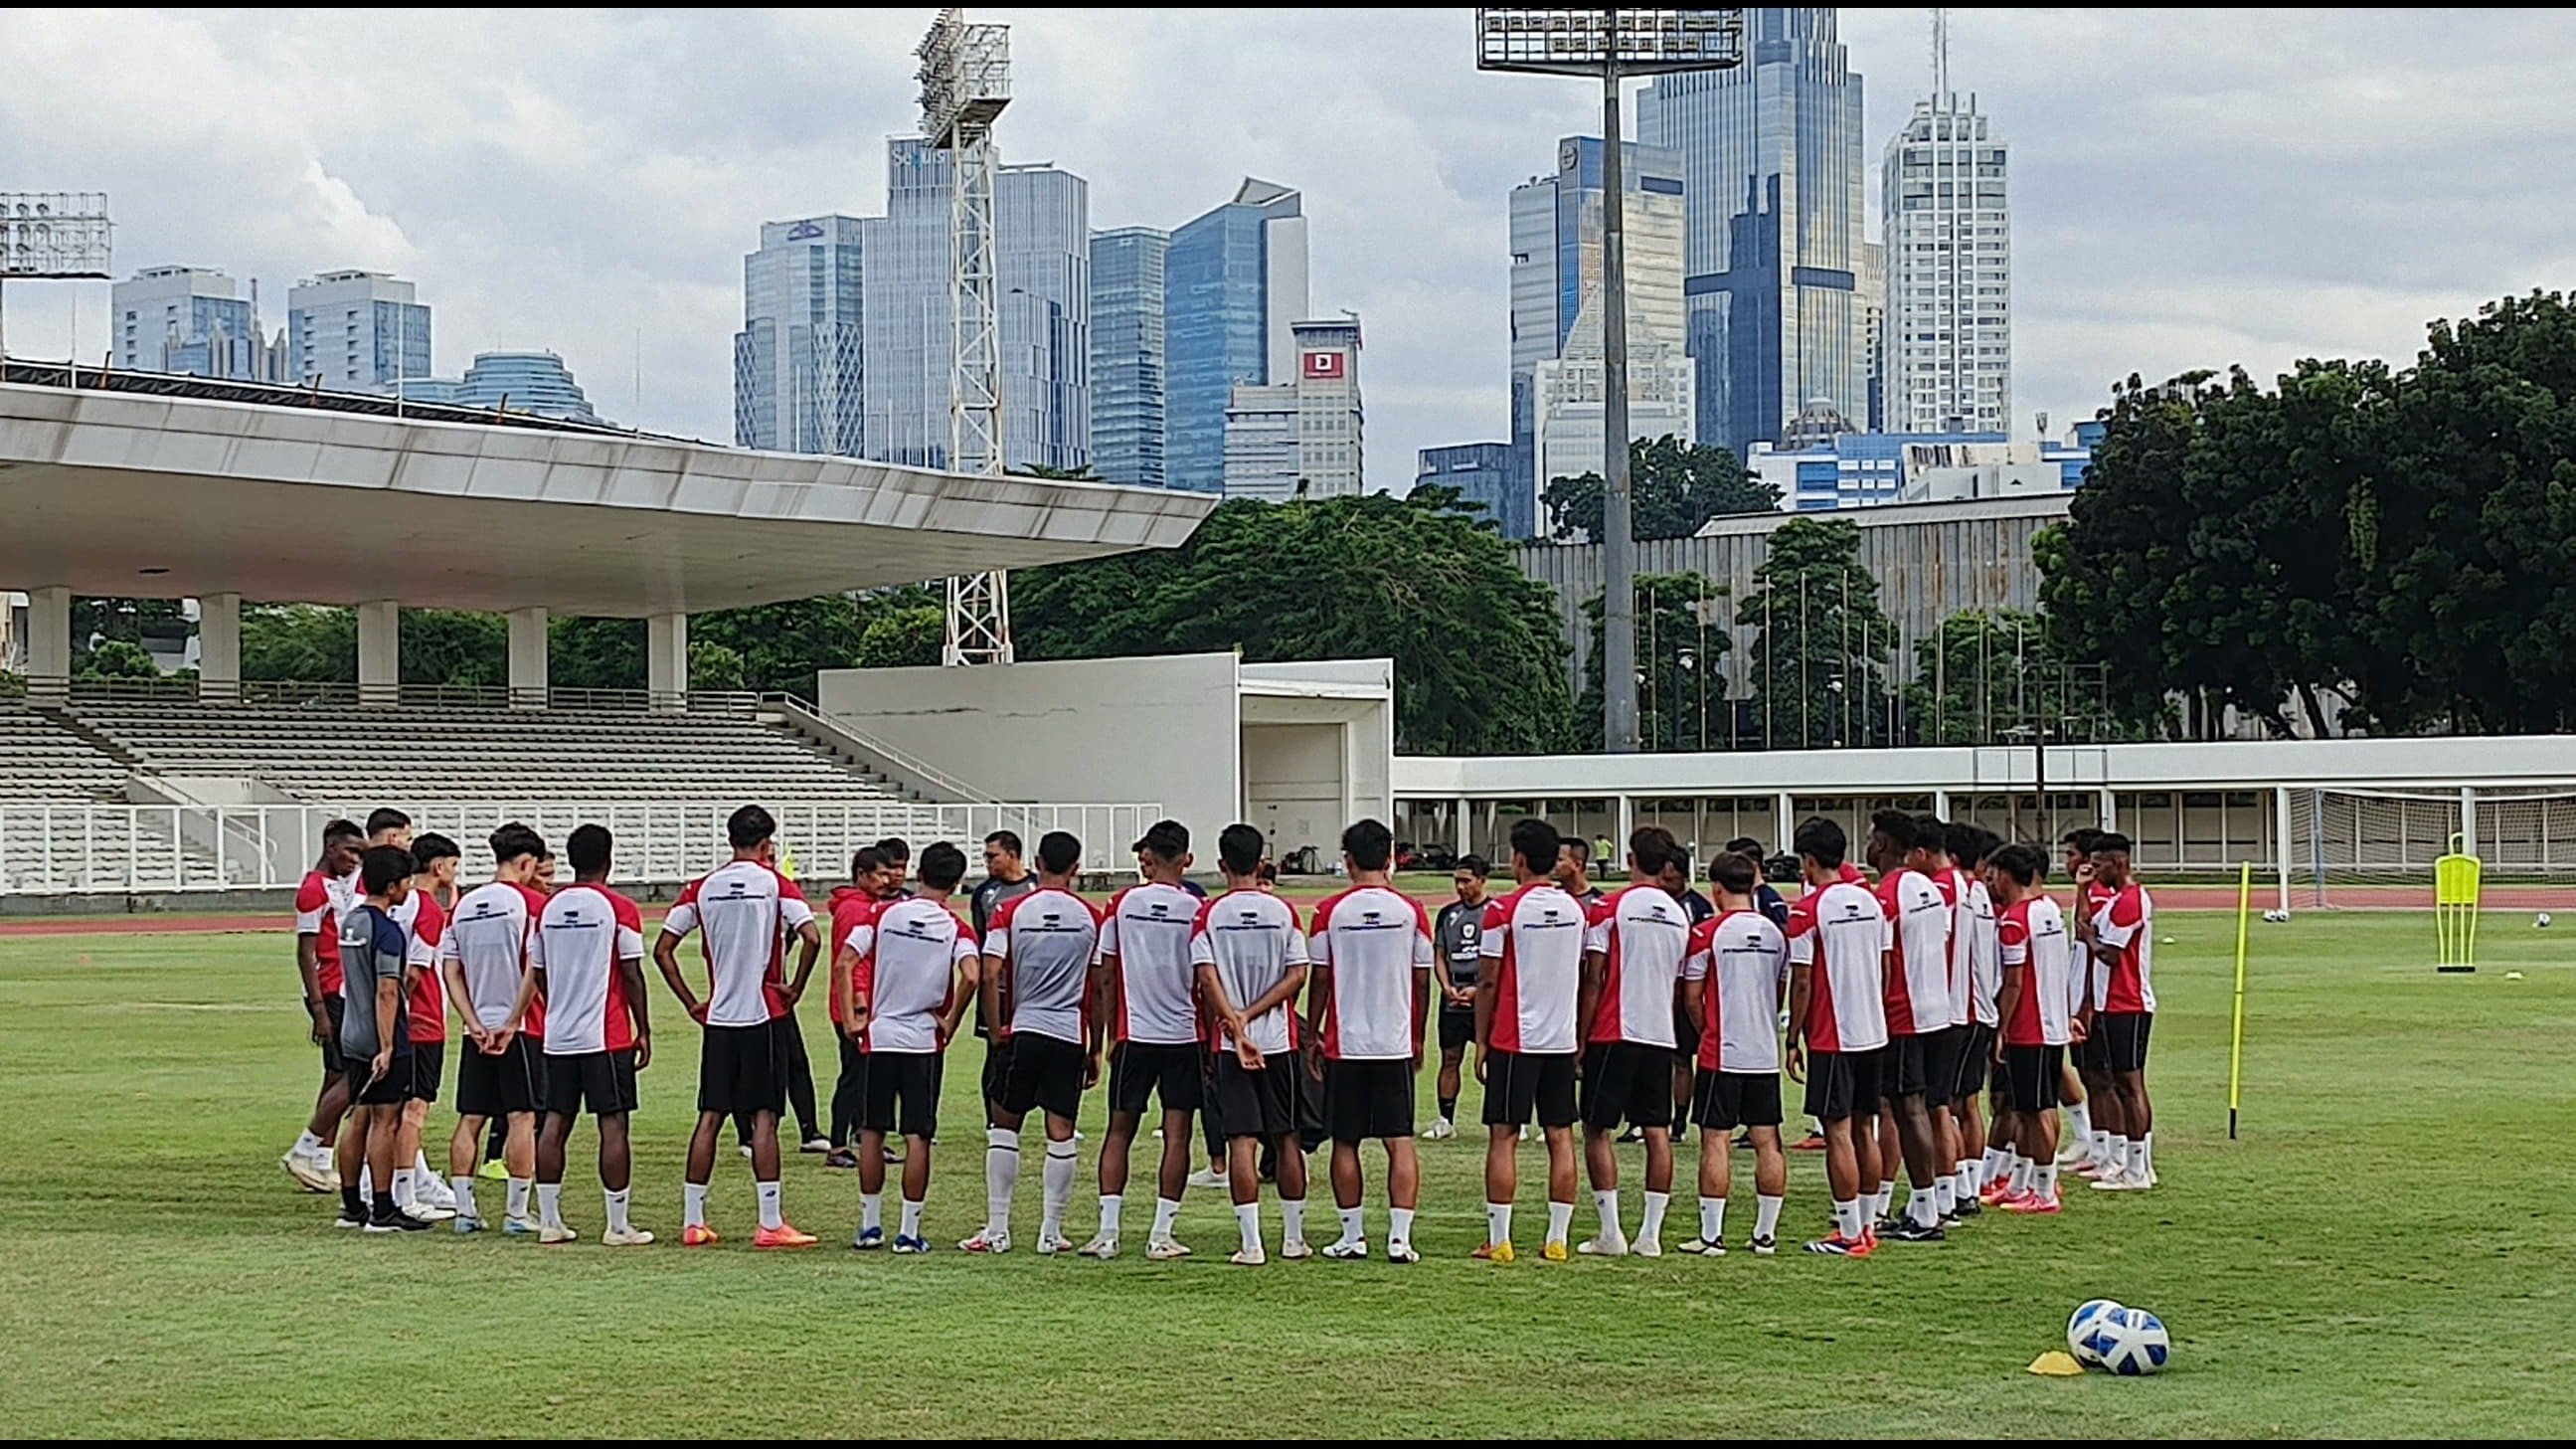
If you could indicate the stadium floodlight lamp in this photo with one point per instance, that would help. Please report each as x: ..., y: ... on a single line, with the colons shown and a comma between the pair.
x: 1613, y: 44
x: 965, y: 76
x: 56, y: 235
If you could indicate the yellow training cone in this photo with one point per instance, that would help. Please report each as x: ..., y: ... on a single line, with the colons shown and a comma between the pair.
x: 2057, y: 1365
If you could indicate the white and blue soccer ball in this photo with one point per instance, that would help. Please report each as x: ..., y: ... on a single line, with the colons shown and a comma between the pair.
x: 2541, y: 920
x: 2132, y: 1343
x: 2083, y: 1329
x: 2276, y: 915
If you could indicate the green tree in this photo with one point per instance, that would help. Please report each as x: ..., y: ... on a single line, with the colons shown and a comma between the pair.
x: 310, y: 643
x: 1478, y: 663
x: 1817, y: 667
x: 1682, y: 639
x: 99, y: 620
x: 1674, y: 488
x: 714, y: 667
x: 117, y: 659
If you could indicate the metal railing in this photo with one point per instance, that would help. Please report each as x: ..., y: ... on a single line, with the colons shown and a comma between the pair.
x: 82, y: 848
x: 344, y: 694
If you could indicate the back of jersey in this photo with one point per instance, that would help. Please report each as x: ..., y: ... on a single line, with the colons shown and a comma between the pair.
x: 1373, y: 940
x: 487, y: 938
x: 1147, y: 928
x: 1251, y: 938
x: 1045, y: 941
x: 745, y: 909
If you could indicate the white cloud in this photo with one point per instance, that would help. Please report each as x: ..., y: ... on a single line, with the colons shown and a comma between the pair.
x: 2191, y: 188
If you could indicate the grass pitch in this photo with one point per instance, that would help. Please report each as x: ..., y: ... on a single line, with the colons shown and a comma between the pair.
x: 2390, y: 1250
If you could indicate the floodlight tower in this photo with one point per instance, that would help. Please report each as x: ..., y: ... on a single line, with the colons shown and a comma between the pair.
x: 965, y: 82
x: 51, y: 236
x: 1612, y: 44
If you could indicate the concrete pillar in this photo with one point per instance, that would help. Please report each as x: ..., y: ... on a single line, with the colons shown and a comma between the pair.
x: 2110, y: 809
x: 380, y: 652
x: 49, y: 642
x: 1627, y: 817
x: 2281, y: 841
x: 1458, y: 837
x: 219, y: 648
x: 527, y: 658
x: 666, y: 661
x: 1784, y: 821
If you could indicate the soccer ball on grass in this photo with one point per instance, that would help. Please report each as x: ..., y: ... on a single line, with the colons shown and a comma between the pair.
x: 2276, y: 915
x: 2132, y: 1342
x: 2083, y: 1328
x: 2541, y: 920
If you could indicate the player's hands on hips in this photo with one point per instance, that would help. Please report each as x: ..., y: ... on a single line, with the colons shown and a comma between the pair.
x: 1797, y: 1062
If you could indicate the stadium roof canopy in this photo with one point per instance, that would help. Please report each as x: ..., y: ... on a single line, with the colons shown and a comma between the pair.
x: 171, y: 487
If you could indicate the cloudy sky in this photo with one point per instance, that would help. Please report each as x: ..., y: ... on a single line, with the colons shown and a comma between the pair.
x: 2190, y: 188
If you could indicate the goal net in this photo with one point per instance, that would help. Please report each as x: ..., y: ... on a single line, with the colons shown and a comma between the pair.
x: 2376, y: 848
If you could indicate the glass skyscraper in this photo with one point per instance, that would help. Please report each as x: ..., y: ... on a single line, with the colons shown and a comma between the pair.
x: 1773, y: 179
x: 1127, y: 281
x: 186, y: 320
x: 1234, y: 286
x: 1948, y: 220
x: 524, y: 382
x: 1484, y: 474
x: 355, y: 331
x: 797, y: 373
x: 1042, y: 256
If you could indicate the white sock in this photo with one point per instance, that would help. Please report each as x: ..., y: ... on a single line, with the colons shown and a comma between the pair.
x: 1399, y: 1226
x: 1712, y: 1219
x: 306, y: 1144
x: 462, y: 1184
x: 1059, y: 1170
x: 1165, y: 1209
x: 402, y: 1188
x: 2080, y: 1117
x: 1498, y: 1222
x: 550, y: 1204
x: 1945, y: 1196
x: 694, y: 1197
x: 1560, y: 1218
x: 1766, y: 1216
x: 366, y: 1182
x: 2044, y: 1179
x: 911, y: 1218
x: 871, y: 1211
x: 1110, y: 1203
x: 1247, y: 1221
x: 1605, y: 1201
x: 1353, y: 1228
x: 519, y: 1197
x: 2101, y: 1145
x: 1963, y: 1184
x: 1885, y: 1200
x: 1652, y: 1229
x: 2120, y: 1148
x: 1922, y: 1206
x: 770, y: 1215
x: 420, y: 1169
x: 1992, y: 1167
x: 2142, y: 1160
x: 2022, y: 1170
x: 617, y: 1199
x: 1001, y: 1178
x: 1848, y: 1220
x: 1292, y: 1219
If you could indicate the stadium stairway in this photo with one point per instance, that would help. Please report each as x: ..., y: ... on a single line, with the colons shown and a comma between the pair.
x: 45, y: 763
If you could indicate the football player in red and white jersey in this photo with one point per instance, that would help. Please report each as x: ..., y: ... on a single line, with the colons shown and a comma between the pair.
x: 483, y: 958
x: 1527, y: 1001
x: 2036, y: 955
x: 1977, y: 975
x: 2085, y: 1091
x: 1918, y: 1019
x: 1034, y: 988
x: 435, y: 858
x: 1369, y: 995
x: 1147, y: 996
x: 1731, y: 985
x: 2122, y: 937
x: 912, y: 971
x: 1839, y: 940
x: 587, y: 952
x: 747, y: 910
x: 1250, y: 954
x: 850, y: 907
x: 319, y: 903
x: 1632, y: 971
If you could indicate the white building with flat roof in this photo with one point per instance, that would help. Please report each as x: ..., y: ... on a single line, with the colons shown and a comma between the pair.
x: 1302, y: 438
x: 354, y: 331
x: 1947, y: 348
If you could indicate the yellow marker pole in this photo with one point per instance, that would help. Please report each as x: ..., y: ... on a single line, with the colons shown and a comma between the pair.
x: 2236, y: 1044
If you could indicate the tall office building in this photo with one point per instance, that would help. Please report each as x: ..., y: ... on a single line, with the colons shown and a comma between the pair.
x: 1127, y: 354
x: 798, y: 374
x: 1234, y: 288
x: 524, y: 382
x: 1873, y: 329
x: 1948, y: 220
x: 1301, y: 437
x: 1486, y: 475
x: 1042, y: 260
x: 1556, y: 278
x: 189, y: 320
x: 1570, y: 431
x: 355, y: 331
x: 1772, y: 175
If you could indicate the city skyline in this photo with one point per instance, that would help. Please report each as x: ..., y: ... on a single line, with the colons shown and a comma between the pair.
x: 542, y: 199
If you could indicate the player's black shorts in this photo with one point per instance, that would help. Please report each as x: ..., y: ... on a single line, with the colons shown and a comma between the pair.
x: 1843, y: 1084
x: 366, y: 1089
x: 1624, y: 1081
x: 1256, y: 1104
x: 1724, y: 1101
x: 603, y: 1080
x: 1919, y: 1066
x: 332, y: 1005
x: 1520, y: 1083
x: 2123, y: 1035
x: 1372, y: 1098
x: 2030, y: 1076
x: 428, y: 1064
x: 1457, y: 1027
x: 2093, y: 1054
x: 1312, y: 1130
x: 1041, y: 1071
x: 899, y: 1092
x: 744, y: 1068
x: 997, y: 1066
x: 1685, y: 1036
x: 1173, y: 1071
x: 496, y: 1086
x: 1976, y: 1053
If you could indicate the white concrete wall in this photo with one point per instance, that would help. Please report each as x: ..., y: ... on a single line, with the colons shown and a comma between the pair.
x: 1115, y: 731
x: 1294, y: 779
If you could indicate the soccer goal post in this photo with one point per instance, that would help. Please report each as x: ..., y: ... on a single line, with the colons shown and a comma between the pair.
x: 2383, y: 848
